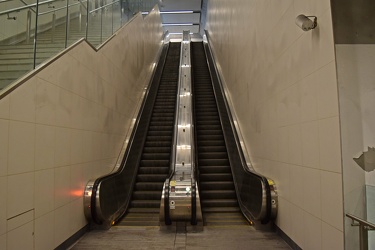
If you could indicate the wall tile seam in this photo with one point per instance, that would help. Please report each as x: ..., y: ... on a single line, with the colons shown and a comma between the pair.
x: 305, y: 122
x: 7, y: 100
x: 79, y: 95
x: 272, y: 30
x: 307, y: 212
x: 292, y: 164
x: 296, y: 165
x: 262, y: 72
x: 67, y: 90
x: 306, y: 76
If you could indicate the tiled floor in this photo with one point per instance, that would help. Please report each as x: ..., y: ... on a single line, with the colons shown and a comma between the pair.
x: 233, y: 237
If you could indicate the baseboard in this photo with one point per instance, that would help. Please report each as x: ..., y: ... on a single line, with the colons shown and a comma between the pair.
x: 72, y: 239
x: 287, y: 239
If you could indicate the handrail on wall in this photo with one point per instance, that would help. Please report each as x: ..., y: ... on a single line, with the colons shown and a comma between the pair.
x: 364, y: 226
x: 33, y: 28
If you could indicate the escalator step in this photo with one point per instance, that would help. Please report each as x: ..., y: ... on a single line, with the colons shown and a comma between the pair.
x: 214, y: 169
x: 147, y: 210
x: 205, y: 137
x: 149, y: 186
x: 220, y: 209
x: 216, y: 185
x: 206, y: 149
x: 218, y: 194
x: 157, y: 150
x: 147, y: 195
x: 159, y: 133
x: 156, y: 156
x: 219, y: 203
x: 213, y: 162
x: 216, y: 177
x: 154, y: 163
x: 153, y: 170
x: 158, y: 138
x: 208, y: 143
x: 213, y: 155
x: 145, y: 203
x: 151, y: 177
x: 155, y: 144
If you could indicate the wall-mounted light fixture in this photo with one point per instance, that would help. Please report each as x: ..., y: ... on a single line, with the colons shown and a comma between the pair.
x: 305, y: 23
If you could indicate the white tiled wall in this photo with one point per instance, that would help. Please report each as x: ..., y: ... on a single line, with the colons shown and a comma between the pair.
x: 65, y: 126
x: 283, y: 87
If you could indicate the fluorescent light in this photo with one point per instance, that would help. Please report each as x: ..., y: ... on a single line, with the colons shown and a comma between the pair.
x: 177, y: 12
x: 178, y: 24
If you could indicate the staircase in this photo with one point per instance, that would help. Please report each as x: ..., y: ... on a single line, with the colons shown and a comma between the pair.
x: 18, y: 59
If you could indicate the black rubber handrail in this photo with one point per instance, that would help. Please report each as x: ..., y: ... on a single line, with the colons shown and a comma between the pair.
x: 167, y: 217
x: 195, y: 159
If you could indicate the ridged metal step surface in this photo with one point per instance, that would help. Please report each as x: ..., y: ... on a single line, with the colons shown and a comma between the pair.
x: 155, y: 160
x: 217, y: 191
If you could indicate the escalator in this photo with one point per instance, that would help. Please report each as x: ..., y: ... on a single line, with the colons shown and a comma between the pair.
x: 230, y: 192
x: 155, y: 160
x: 217, y: 190
x: 131, y: 196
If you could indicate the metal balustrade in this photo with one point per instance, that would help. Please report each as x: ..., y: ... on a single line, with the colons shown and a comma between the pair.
x: 33, y: 33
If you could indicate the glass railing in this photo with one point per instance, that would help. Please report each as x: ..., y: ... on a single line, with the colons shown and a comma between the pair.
x: 34, y: 32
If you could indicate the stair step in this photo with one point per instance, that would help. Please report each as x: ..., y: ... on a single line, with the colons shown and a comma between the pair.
x: 214, y: 169
x: 218, y: 194
x: 148, y: 186
x: 145, y: 203
x: 216, y: 177
x: 152, y: 177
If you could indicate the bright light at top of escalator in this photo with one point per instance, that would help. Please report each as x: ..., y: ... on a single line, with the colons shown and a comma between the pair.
x: 183, y: 147
x: 178, y: 24
x: 186, y: 94
x: 177, y: 12
x: 184, y: 126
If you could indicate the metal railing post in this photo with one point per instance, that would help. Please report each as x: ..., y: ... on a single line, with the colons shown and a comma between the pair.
x: 87, y: 19
x: 36, y: 32
x: 28, y: 26
x: 364, y: 227
x: 80, y: 18
x: 53, y: 27
x: 363, y: 237
x: 67, y: 24
x: 101, y: 25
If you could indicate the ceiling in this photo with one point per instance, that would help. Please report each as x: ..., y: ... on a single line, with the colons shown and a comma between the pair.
x: 180, y: 15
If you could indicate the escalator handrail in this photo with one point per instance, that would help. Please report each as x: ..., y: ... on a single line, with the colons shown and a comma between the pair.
x: 96, y: 213
x: 195, y: 156
x: 266, y: 211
